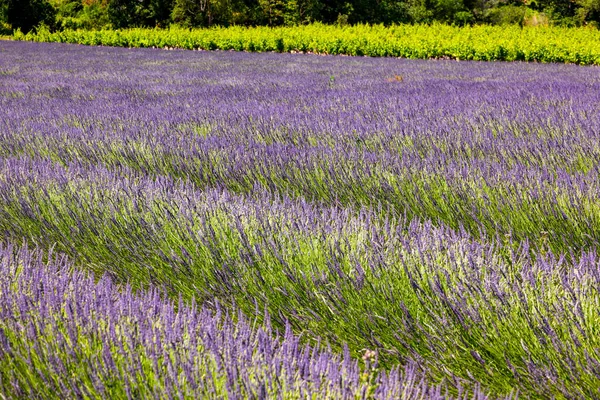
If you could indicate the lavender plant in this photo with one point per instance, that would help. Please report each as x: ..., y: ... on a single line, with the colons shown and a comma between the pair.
x: 478, y: 160
x: 411, y: 291
x: 446, y: 221
x: 65, y: 335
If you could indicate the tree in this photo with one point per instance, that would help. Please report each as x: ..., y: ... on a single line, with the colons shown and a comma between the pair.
x: 190, y: 13
x: 451, y: 11
x: 559, y: 11
x: 588, y: 11
x: 128, y: 13
x: 27, y: 14
x: 160, y: 12
x: 393, y: 11
x: 273, y: 11
x: 122, y: 13
x: 298, y: 12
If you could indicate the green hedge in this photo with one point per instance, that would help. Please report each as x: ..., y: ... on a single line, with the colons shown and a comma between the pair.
x: 485, y: 43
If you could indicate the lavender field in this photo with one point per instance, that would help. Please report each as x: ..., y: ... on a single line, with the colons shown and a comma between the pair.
x: 184, y: 224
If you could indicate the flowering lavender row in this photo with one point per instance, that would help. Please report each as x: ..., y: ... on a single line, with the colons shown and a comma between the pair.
x: 509, y: 148
x: 63, y: 335
x: 440, y: 214
x: 408, y: 290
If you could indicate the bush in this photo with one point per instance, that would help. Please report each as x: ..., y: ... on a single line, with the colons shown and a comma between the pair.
x: 485, y: 43
x: 506, y: 15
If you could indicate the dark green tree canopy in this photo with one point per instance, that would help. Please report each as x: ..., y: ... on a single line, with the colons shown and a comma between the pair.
x: 27, y: 14
x: 91, y: 14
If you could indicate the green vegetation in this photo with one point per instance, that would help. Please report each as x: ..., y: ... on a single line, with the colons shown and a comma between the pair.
x: 484, y: 43
x: 397, y: 212
x: 118, y: 14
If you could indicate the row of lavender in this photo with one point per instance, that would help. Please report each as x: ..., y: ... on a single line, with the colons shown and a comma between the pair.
x: 491, y: 315
x: 64, y: 335
x: 505, y: 148
x: 435, y: 214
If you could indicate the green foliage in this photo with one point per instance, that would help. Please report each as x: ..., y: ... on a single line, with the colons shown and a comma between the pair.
x: 506, y: 15
x: 588, y: 11
x: 420, y: 11
x: 5, y: 30
x: 27, y: 14
x: 194, y: 13
x: 126, y: 13
x: 446, y: 10
x: 159, y: 12
x: 302, y: 11
x: 120, y: 14
x: 91, y: 17
x: 273, y: 11
x: 483, y: 43
x: 289, y: 12
x: 189, y: 13
x: 75, y: 14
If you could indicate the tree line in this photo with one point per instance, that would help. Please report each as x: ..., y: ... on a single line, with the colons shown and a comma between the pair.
x: 117, y: 14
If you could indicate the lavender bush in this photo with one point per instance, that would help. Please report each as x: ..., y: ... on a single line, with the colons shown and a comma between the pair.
x: 64, y: 335
x: 439, y: 217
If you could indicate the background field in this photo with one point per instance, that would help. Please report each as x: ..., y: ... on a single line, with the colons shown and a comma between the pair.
x: 296, y: 225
